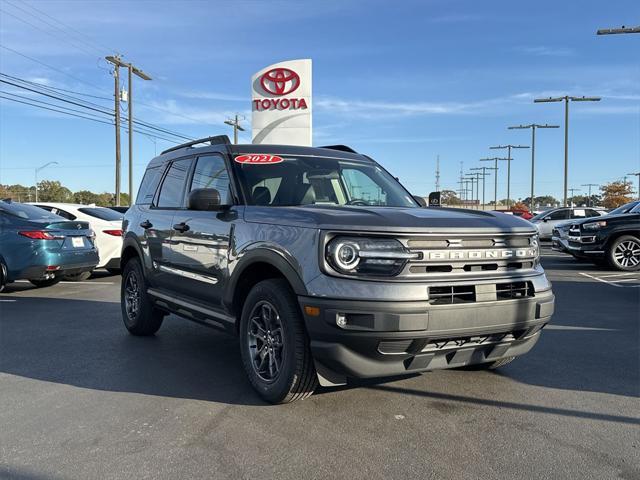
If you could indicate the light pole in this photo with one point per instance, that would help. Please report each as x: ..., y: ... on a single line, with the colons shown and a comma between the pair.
x: 589, y: 185
x: 533, y: 127
x: 235, y: 123
x: 495, y: 179
x: 483, y: 175
x: 508, y: 147
x: 615, y: 31
x: 566, y: 100
x: 636, y: 174
x: 132, y: 70
x: 36, y: 174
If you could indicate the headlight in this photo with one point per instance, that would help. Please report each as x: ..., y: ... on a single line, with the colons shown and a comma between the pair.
x: 367, y: 256
x: 535, y: 244
x: 592, y: 226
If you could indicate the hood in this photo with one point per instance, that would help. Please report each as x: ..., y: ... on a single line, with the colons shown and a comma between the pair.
x: 388, y: 219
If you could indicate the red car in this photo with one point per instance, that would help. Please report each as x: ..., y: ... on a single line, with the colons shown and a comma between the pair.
x: 526, y: 214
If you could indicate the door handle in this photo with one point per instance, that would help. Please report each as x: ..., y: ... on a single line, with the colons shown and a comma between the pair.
x: 181, y: 227
x: 146, y: 224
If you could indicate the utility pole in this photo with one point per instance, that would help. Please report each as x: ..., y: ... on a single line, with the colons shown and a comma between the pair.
x: 483, y: 175
x: 470, y: 178
x: 115, y: 60
x: 566, y: 100
x: 36, y: 174
x: 637, y: 174
x: 533, y: 127
x: 235, y: 123
x: 589, y: 197
x: 508, y: 147
x: 131, y: 70
x: 438, y: 173
x: 495, y: 179
x: 616, y: 31
x: 572, y: 190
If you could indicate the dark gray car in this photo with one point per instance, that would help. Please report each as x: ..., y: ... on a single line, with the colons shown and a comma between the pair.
x: 325, y: 267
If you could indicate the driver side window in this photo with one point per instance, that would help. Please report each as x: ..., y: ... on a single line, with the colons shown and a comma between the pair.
x: 361, y: 187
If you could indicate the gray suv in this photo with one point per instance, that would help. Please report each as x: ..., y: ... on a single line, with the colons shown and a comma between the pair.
x: 325, y: 268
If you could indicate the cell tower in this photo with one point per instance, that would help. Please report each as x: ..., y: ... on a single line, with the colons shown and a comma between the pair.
x: 438, y: 173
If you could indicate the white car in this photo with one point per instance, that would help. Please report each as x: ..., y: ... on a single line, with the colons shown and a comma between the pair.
x: 545, y: 221
x: 107, y: 225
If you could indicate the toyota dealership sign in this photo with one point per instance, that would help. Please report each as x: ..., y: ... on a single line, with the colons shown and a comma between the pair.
x: 281, y: 103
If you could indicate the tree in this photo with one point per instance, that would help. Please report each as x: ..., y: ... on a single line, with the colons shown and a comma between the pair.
x: 53, y: 191
x: 542, y: 201
x: 615, y: 194
x: 85, y: 197
x: 586, y: 201
x: 520, y: 206
x: 449, y: 197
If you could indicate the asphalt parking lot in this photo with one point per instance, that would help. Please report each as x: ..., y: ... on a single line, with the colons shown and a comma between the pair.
x: 81, y: 399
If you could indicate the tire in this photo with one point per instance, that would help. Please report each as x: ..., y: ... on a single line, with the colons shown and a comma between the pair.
x: 3, y: 275
x: 114, y: 271
x: 78, y: 277
x: 624, y: 253
x: 139, y: 314
x: 272, y: 323
x: 45, y: 283
x: 490, y: 365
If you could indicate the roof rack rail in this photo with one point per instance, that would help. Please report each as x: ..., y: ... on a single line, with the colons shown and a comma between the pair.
x: 342, y: 148
x: 217, y: 140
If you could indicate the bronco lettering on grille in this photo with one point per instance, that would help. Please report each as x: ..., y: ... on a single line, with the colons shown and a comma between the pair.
x: 479, y: 254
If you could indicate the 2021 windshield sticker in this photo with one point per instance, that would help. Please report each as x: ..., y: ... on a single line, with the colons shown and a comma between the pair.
x: 259, y: 159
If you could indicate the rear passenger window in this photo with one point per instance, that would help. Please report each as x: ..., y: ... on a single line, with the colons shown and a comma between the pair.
x: 172, y: 190
x: 211, y: 172
x: 149, y: 185
x: 559, y: 215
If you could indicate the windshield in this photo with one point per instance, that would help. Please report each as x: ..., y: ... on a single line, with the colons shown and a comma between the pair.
x: 102, y: 213
x: 626, y: 208
x: 28, y: 212
x: 320, y: 181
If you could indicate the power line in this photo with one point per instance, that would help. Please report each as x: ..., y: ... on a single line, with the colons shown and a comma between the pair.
x: 69, y: 28
x: 74, y: 45
x: 56, y: 89
x: 51, y: 67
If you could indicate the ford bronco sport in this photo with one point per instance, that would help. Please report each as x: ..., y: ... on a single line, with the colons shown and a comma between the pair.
x: 325, y: 267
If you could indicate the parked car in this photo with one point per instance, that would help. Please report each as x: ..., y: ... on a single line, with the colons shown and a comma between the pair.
x: 42, y: 247
x: 325, y: 267
x: 560, y: 235
x: 545, y: 221
x: 107, y: 225
x: 613, y: 240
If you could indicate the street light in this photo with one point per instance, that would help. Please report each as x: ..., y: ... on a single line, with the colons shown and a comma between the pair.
x: 508, y: 147
x: 38, y: 170
x: 615, y: 31
x: 495, y: 179
x: 566, y: 100
x: 533, y: 127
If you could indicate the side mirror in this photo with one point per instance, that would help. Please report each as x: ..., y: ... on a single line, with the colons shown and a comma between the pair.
x: 420, y: 200
x: 545, y: 219
x: 204, y: 199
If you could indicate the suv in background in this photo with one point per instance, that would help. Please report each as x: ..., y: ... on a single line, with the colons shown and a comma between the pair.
x: 325, y: 267
x: 545, y: 221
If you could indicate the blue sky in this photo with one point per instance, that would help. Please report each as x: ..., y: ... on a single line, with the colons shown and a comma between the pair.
x: 401, y: 81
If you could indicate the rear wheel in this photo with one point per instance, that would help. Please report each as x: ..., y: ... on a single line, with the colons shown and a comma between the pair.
x: 274, y: 344
x: 139, y: 314
x: 78, y: 277
x: 45, y: 283
x: 624, y: 253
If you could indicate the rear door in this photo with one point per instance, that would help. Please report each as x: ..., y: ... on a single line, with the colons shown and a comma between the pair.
x: 200, y: 241
x: 157, y: 221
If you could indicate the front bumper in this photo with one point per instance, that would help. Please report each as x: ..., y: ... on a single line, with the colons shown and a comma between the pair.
x: 394, y: 338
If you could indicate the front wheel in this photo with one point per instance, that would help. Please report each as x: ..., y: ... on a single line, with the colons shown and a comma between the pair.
x: 139, y: 314
x: 274, y: 344
x: 624, y: 253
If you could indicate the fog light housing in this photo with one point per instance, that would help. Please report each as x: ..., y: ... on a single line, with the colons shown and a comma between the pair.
x: 341, y: 320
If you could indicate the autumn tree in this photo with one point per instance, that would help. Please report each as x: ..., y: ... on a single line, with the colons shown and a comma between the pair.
x: 615, y: 194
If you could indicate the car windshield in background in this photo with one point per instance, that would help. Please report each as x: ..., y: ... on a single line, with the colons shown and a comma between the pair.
x: 320, y: 181
x: 626, y: 208
x: 28, y: 212
x: 102, y: 213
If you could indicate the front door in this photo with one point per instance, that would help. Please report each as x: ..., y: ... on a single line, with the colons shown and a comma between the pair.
x: 200, y: 240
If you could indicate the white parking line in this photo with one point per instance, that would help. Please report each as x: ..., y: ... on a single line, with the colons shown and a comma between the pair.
x: 75, y: 283
x: 612, y: 283
x: 7, y: 301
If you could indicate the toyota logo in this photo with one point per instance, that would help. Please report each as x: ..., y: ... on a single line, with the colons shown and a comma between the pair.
x: 280, y: 81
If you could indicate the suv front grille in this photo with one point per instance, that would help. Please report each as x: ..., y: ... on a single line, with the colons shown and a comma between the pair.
x: 457, y: 294
x: 468, y: 256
